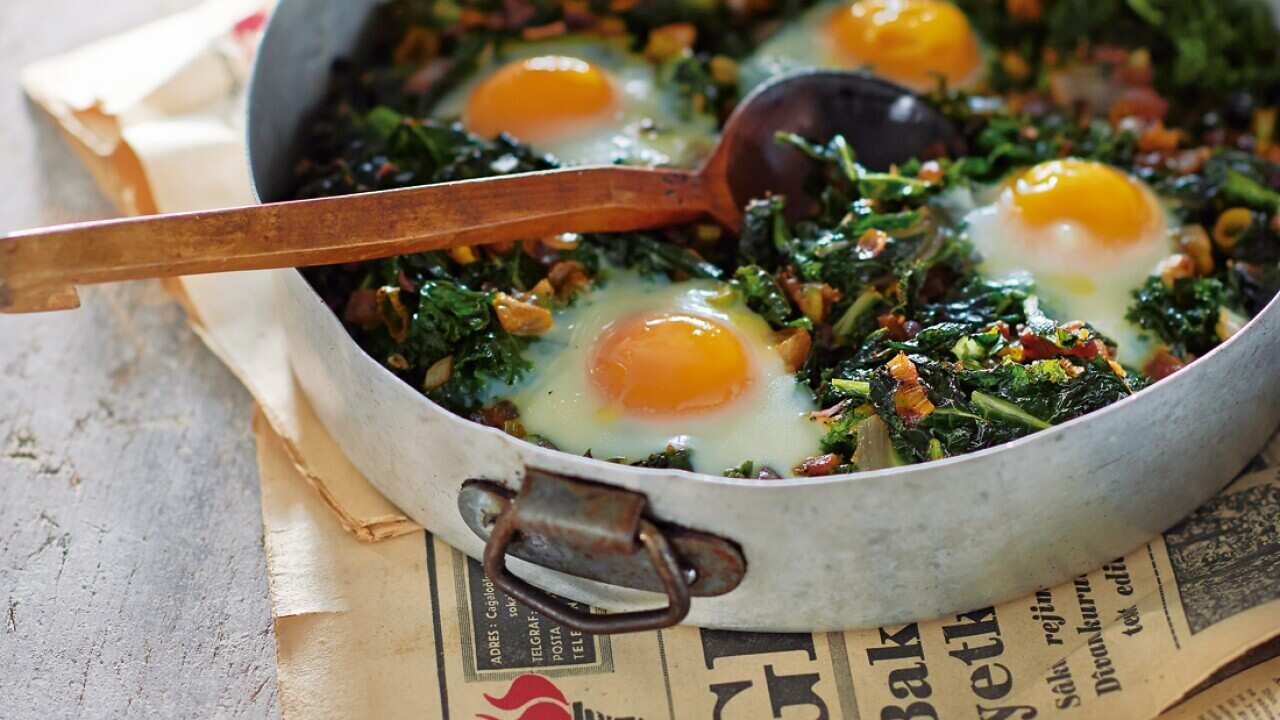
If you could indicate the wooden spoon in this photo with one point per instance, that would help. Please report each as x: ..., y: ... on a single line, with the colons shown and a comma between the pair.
x: 884, y: 123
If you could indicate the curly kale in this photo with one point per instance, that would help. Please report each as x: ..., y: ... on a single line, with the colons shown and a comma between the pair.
x: 911, y: 352
x: 1204, y: 49
x: 763, y: 295
x: 384, y: 149
x: 651, y: 254
x: 446, y: 322
x: 1185, y: 317
x: 974, y: 409
x: 672, y: 458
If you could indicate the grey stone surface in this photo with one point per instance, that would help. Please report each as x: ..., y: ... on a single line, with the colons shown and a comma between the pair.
x: 132, y: 575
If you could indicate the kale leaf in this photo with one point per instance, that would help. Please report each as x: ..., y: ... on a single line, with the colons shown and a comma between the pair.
x: 1184, y: 317
x: 763, y: 295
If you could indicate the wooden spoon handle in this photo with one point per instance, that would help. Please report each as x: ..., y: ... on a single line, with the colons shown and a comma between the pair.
x: 39, y: 269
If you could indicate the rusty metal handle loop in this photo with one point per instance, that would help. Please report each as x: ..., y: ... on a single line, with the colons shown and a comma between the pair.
x: 665, y: 564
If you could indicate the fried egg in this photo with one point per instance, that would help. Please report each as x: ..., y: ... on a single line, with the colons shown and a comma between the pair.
x: 585, y: 101
x: 1087, y: 233
x: 636, y: 365
x: 911, y: 42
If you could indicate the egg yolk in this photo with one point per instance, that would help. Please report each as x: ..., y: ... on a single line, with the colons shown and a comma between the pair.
x: 1109, y: 204
x: 909, y: 41
x: 540, y: 99
x: 670, y: 364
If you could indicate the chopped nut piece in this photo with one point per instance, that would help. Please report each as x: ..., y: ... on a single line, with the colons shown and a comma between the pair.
x: 438, y: 374
x: 930, y: 172
x: 724, y: 70
x: 669, y: 41
x: 814, y: 300
x: 521, y: 319
x: 568, y: 277
x: 1176, y: 267
x: 1158, y: 138
x: 541, y: 294
x: 1185, y: 162
x: 1193, y: 240
x: 871, y: 244
x: 1014, y: 65
x: 396, y: 361
x: 464, y: 255
x: 1228, y: 324
x: 793, y: 344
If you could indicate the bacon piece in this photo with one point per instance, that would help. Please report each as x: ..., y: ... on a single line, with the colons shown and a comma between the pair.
x: 1162, y: 364
x: 497, y: 415
x: 827, y: 416
x: 1035, y: 347
x: 819, y: 466
x: 896, y: 325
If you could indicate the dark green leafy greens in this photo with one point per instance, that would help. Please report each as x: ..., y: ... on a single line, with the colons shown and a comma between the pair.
x: 911, y: 353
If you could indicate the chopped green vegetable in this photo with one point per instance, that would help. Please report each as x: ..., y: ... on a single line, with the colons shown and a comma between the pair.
x: 994, y: 407
x: 763, y: 294
x: 883, y: 269
x: 1184, y: 316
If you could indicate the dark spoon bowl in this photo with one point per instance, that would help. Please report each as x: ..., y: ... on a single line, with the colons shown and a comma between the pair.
x: 884, y: 123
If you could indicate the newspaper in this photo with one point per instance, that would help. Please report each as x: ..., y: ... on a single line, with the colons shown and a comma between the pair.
x: 1252, y: 695
x: 375, y: 618
x: 411, y: 627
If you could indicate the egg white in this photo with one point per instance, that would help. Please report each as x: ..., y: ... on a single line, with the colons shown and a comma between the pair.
x: 805, y: 44
x: 769, y: 423
x: 647, y: 127
x: 1076, y: 276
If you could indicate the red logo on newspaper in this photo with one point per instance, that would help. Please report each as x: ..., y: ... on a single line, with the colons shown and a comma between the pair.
x: 535, y: 697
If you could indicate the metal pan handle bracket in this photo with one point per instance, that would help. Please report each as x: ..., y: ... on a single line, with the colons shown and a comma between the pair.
x: 598, y: 532
x: 660, y: 553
